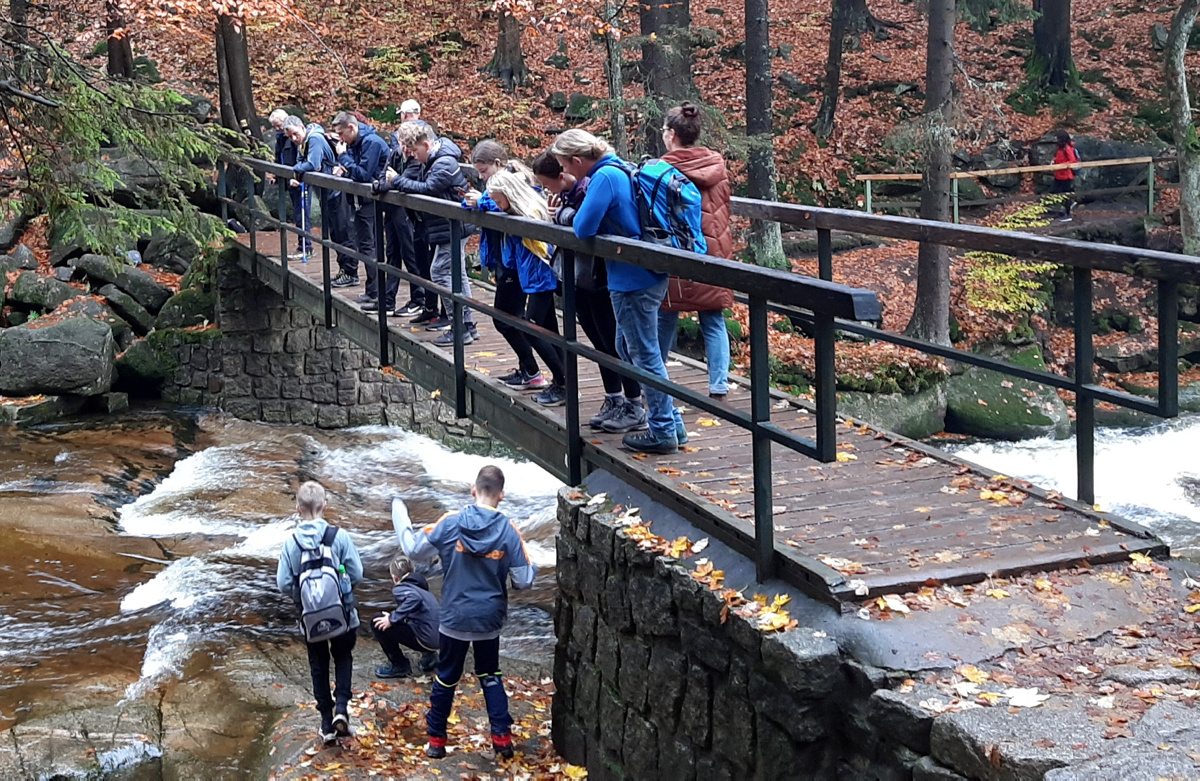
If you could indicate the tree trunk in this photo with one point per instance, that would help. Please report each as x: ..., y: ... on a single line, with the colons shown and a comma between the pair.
x: 822, y: 126
x: 508, y: 61
x: 120, y: 48
x: 232, y: 30
x: 859, y: 20
x: 666, y: 63
x: 1050, y: 64
x: 1187, y: 144
x: 18, y: 38
x: 224, y: 91
x: 931, y: 312
x: 766, y: 243
x: 616, y: 83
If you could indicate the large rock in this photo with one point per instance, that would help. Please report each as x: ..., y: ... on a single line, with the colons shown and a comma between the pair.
x: 173, y: 253
x: 141, y: 370
x: 137, y: 283
x: 42, y: 409
x: 187, y: 308
x: 124, y: 304
x: 21, y: 258
x: 74, y: 355
x: 917, y: 416
x: 991, y: 405
x: 90, y: 306
x: 12, y: 224
x: 33, y: 291
x: 1090, y: 149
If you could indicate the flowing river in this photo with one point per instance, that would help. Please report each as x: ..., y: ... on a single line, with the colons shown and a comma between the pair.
x: 136, y: 552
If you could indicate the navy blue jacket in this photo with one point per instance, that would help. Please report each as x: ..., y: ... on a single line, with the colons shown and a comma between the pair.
x: 366, y: 159
x: 480, y: 550
x: 285, y: 150
x: 316, y: 153
x: 418, y: 608
x: 438, y: 177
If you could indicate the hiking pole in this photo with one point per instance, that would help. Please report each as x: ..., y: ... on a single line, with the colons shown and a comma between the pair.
x: 305, y: 242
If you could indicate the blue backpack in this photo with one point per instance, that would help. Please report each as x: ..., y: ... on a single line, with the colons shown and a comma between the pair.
x: 668, y: 205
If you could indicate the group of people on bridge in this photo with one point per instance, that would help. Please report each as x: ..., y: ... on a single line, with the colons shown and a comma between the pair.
x: 625, y: 310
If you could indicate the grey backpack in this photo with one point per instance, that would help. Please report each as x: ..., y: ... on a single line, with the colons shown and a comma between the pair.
x: 323, y: 614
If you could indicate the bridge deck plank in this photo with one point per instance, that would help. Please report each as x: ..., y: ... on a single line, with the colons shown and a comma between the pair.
x: 891, y: 495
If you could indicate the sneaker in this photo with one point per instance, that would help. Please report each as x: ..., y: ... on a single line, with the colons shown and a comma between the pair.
x: 681, y: 434
x: 514, y: 377
x: 370, y: 306
x: 439, y: 324
x: 344, y: 280
x: 503, y: 745
x: 447, y: 337
x: 537, y: 382
x: 341, y: 725
x: 428, y: 662
x: 394, y: 670
x: 327, y: 733
x: 554, y: 396
x: 1064, y: 219
x: 631, y: 417
x: 426, y: 315
x: 522, y: 381
x: 298, y: 256
x: 472, y: 334
x: 649, y: 442
x: 364, y: 298
x: 409, y: 310
x: 610, y: 407
x: 436, y: 748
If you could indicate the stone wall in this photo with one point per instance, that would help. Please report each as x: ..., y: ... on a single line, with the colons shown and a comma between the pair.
x: 654, y: 681
x: 272, y: 362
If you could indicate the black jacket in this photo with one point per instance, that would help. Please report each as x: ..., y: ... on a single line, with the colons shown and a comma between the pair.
x: 439, y: 177
x: 418, y: 608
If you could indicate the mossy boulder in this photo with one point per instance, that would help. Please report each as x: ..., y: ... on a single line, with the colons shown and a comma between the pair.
x: 990, y: 405
x: 34, y: 292
x: 171, y: 252
x: 90, y: 306
x: 74, y: 356
x: 916, y: 415
x: 187, y: 308
x: 142, y: 369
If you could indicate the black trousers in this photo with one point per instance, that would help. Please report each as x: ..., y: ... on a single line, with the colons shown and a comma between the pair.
x: 539, y: 310
x: 399, y: 251
x: 1064, y: 186
x: 511, y: 299
x: 423, y: 260
x: 362, y: 236
x: 396, y: 637
x: 341, y: 649
x: 337, y: 221
x: 593, y: 309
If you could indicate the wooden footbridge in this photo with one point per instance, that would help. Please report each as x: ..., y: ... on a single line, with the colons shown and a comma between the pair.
x: 834, y: 506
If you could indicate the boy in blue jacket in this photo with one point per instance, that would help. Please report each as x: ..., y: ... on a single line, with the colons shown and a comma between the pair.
x: 315, y: 155
x: 480, y: 550
x: 310, y: 529
x: 362, y: 157
x: 413, y: 624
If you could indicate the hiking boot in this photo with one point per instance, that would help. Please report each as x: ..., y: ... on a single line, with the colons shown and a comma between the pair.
x: 392, y: 670
x: 632, y: 417
x: 364, y: 298
x: 344, y: 280
x: 341, y: 724
x: 610, y: 408
x: 439, y: 324
x: 649, y: 442
x: 425, y: 316
x: 681, y: 434
x: 409, y: 310
x: 428, y: 662
x: 554, y: 396
x: 327, y: 733
x: 436, y: 748
x: 503, y: 746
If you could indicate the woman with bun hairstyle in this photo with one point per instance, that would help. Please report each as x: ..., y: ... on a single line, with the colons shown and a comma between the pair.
x: 706, y: 169
x: 636, y: 293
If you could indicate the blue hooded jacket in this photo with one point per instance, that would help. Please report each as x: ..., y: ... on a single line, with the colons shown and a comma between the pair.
x: 315, y: 153
x: 609, y: 207
x: 534, y: 273
x: 366, y: 159
x: 491, y: 253
x: 418, y: 608
x: 480, y: 550
x: 310, y: 533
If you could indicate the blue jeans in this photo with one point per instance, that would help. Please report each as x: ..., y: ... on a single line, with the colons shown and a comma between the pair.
x: 716, y: 344
x: 637, y: 342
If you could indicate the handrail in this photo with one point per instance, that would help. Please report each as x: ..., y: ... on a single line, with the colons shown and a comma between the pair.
x: 1023, y: 169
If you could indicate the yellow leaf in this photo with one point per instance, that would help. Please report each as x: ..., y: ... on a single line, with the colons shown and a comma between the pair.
x: 761, y: 599
x: 575, y: 771
x: 453, y: 718
x: 921, y: 510
x: 997, y: 593
x: 707, y: 422
x: 844, y: 457
x: 894, y: 603
x: 485, y: 354
x: 990, y: 697
x: 1041, y: 584
x: 1139, y: 558
x: 974, y: 674
x: 781, y: 600
x: 1192, y: 608
x: 436, y: 393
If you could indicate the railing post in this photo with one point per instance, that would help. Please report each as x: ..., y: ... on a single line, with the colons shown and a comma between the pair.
x: 456, y: 286
x: 1085, y: 404
x: 381, y: 281
x: 223, y: 191
x: 1168, y: 348
x: 571, y: 369
x: 825, y: 387
x: 252, y: 227
x: 954, y: 197
x: 867, y: 200
x: 825, y: 254
x: 760, y: 412
x: 1150, y: 188
x: 326, y: 277
x: 283, y: 237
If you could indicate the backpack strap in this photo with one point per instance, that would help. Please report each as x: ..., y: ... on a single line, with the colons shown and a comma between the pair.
x: 330, y: 532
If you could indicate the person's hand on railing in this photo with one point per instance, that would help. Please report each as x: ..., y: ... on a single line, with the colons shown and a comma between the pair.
x: 471, y: 197
x: 381, y: 185
x: 338, y: 171
x: 553, y: 201
x: 270, y: 178
x: 293, y: 183
x: 390, y: 174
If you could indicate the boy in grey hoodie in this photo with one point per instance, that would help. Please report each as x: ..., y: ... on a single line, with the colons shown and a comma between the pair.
x: 310, y: 529
x: 480, y: 551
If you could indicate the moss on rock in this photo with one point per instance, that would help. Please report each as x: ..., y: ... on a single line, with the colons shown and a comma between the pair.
x: 991, y: 405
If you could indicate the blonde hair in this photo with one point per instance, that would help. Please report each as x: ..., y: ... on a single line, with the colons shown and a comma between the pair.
x: 415, y: 131
x: 310, y: 500
x: 523, y: 200
x: 579, y: 143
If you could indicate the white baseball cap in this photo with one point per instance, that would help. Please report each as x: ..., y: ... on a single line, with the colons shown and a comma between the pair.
x: 410, y: 107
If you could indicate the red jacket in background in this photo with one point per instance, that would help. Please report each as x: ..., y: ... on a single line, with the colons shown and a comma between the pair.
x: 706, y: 169
x: 1065, y: 154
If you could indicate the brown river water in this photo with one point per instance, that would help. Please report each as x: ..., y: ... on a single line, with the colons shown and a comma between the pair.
x: 135, y: 551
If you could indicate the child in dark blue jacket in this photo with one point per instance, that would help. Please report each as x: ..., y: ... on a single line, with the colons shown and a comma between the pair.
x: 480, y: 551
x: 413, y: 624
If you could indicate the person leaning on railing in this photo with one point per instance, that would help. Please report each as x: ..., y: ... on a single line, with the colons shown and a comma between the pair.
x: 287, y: 153
x: 637, y: 293
x: 316, y: 156
x: 362, y: 157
